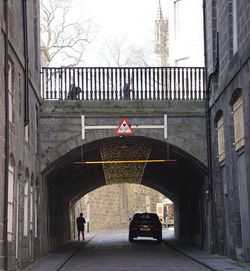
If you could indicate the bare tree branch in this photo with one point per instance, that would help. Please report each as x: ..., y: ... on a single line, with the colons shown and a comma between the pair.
x: 118, y: 52
x: 65, y: 38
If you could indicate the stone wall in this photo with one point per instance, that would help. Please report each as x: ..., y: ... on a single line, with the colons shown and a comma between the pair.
x: 23, y: 248
x: 63, y: 145
x: 231, y: 210
x: 111, y: 206
x: 61, y: 124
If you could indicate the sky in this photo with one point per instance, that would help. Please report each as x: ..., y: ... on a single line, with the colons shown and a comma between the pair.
x: 134, y: 17
x: 131, y: 18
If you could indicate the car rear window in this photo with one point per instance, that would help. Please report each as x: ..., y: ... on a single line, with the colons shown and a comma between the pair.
x: 146, y: 216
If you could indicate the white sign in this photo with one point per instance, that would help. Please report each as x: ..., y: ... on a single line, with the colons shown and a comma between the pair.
x: 124, y: 128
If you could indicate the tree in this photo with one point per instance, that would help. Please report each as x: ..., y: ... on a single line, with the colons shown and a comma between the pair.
x: 141, y: 57
x: 119, y: 53
x: 64, y: 38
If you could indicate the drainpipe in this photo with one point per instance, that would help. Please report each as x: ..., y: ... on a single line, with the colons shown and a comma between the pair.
x: 26, y: 64
x: 6, y: 151
x: 209, y: 191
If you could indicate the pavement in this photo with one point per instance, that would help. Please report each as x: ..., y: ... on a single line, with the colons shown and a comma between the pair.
x: 56, y: 259
x: 213, y: 261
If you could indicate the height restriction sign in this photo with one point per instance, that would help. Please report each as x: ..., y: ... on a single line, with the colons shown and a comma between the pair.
x: 124, y: 128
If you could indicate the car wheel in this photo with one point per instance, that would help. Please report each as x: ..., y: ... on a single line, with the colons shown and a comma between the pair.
x: 130, y: 238
x: 159, y: 238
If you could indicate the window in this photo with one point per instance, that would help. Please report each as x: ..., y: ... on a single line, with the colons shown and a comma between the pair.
x: 35, y: 212
x: 36, y: 36
x: 10, y: 202
x: 20, y: 94
x: 10, y: 89
x: 235, y: 26
x: 26, y: 133
x: 238, y: 119
x: 36, y: 129
x: 31, y: 206
x: 18, y: 205
x: 25, y: 210
x: 177, y: 18
x: 221, y: 139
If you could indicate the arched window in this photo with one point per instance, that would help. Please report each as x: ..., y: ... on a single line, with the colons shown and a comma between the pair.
x: 31, y: 202
x: 25, y: 204
x: 18, y: 197
x: 36, y: 210
x: 25, y: 215
x: 10, y: 198
x: 238, y: 119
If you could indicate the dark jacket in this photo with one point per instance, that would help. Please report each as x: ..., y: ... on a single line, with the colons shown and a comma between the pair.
x: 80, y: 221
x: 126, y: 91
x: 74, y: 92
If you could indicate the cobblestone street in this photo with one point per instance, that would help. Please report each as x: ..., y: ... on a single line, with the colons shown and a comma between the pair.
x: 111, y: 251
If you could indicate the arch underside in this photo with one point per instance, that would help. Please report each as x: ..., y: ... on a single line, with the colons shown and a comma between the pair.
x: 181, y: 181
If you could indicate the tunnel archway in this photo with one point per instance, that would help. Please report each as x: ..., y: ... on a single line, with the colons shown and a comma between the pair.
x: 112, y: 207
x: 182, y: 181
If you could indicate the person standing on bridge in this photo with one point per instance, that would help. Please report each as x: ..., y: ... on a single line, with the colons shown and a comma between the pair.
x: 127, y: 89
x: 74, y: 92
x: 80, y: 221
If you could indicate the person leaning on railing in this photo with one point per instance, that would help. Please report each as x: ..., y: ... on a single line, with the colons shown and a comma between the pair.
x: 127, y: 89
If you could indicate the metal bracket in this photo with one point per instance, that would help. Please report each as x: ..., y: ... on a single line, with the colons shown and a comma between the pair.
x: 104, y: 127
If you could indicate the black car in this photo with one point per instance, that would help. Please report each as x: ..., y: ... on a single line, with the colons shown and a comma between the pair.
x: 145, y: 225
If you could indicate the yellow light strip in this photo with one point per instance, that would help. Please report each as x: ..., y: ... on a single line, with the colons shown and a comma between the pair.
x: 123, y: 162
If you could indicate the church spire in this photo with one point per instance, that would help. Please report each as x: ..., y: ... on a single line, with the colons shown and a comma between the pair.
x: 159, y: 11
x: 161, y: 38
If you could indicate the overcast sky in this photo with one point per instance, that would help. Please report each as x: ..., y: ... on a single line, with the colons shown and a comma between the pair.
x: 133, y: 18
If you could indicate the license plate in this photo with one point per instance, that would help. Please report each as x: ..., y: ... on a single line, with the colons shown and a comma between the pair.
x: 144, y: 229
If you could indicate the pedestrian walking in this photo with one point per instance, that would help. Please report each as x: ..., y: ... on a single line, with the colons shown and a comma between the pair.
x: 80, y: 221
x: 74, y: 92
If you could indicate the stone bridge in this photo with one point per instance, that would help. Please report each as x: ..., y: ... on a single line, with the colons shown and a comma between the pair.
x: 163, y: 130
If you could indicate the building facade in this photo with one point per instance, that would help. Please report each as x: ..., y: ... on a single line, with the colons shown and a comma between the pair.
x: 19, y: 119
x: 228, y: 84
x: 185, y: 28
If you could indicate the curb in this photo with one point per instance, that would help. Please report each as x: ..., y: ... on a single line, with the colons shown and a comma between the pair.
x: 228, y: 263
x: 189, y: 256
x: 74, y: 253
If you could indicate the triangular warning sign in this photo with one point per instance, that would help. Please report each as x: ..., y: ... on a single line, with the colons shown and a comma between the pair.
x: 124, y: 128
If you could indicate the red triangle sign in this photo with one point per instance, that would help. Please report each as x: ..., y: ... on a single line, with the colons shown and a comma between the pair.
x: 124, y: 128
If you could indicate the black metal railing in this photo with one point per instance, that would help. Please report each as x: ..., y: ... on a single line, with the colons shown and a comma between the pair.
x: 107, y: 83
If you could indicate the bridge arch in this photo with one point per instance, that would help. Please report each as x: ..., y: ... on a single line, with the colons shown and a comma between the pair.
x: 182, y: 181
